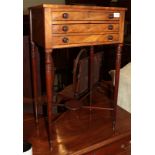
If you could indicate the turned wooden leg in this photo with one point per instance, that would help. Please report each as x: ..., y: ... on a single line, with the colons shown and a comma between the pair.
x: 49, y: 71
x: 34, y: 71
x: 117, y: 68
x: 91, y: 73
x: 35, y: 79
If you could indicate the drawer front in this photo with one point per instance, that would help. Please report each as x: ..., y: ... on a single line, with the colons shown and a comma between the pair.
x: 73, y: 39
x: 65, y: 16
x: 114, y: 148
x: 85, y: 28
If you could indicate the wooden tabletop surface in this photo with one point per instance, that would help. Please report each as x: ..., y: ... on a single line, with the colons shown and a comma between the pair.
x: 77, y: 132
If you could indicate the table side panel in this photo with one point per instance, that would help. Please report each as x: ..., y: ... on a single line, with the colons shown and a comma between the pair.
x: 121, y: 27
x: 48, y: 28
x: 38, y: 27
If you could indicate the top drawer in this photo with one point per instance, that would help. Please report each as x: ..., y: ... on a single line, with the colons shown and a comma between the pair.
x: 66, y: 16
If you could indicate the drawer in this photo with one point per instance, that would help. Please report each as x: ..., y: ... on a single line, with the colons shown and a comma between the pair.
x: 88, y: 15
x: 85, y: 28
x: 115, y: 148
x: 81, y: 39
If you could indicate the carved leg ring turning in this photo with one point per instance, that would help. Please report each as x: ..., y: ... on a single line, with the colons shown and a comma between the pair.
x: 117, y: 68
x: 49, y: 69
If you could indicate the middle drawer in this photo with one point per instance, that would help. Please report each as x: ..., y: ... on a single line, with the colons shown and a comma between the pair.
x: 84, y: 28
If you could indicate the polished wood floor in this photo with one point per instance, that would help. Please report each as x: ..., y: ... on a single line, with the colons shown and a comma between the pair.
x: 77, y: 132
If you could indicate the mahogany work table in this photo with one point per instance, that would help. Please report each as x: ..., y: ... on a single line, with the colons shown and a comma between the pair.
x: 66, y: 26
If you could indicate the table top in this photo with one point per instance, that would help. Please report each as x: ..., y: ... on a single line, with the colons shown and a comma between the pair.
x: 60, y: 6
x: 78, y: 132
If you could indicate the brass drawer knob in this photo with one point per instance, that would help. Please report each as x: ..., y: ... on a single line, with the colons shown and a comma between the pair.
x: 65, y: 40
x: 110, y: 27
x: 110, y: 37
x: 65, y: 28
x: 111, y: 16
x: 65, y: 15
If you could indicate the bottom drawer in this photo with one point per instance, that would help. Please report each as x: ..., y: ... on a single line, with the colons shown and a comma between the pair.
x: 81, y: 39
x: 114, y: 148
